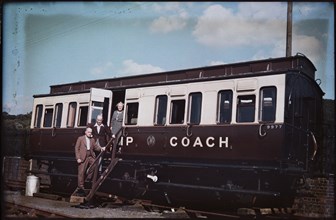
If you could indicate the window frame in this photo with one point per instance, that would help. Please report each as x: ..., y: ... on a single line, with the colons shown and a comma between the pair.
x: 94, y: 109
x: 38, y: 116
x: 172, y: 112
x: 192, y: 109
x: 160, y: 110
x: 244, y: 106
x: 57, y: 121
x: 73, y: 111
x: 261, y: 104
x: 128, y: 118
x: 48, y: 117
x: 81, y: 117
x: 220, y: 108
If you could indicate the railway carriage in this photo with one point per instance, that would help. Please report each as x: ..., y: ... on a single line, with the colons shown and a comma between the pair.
x: 217, y: 137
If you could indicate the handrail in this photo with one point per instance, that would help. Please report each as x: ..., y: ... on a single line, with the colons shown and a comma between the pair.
x: 97, y: 184
x: 189, y: 131
x: 107, y: 171
x: 315, y: 145
x: 262, y: 134
x: 308, y: 132
x: 98, y: 157
x: 102, y: 152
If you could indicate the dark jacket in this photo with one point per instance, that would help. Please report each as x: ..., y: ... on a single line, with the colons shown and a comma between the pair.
x: 103, y: 136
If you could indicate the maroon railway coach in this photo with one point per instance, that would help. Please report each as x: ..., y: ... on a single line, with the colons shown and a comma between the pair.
x: 232, y: 135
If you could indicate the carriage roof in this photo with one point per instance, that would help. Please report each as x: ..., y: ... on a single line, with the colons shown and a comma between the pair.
x: 297, y: 63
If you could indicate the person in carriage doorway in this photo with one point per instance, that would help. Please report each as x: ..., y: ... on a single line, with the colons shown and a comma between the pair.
x: 117, y: 120
x: 85, y: 155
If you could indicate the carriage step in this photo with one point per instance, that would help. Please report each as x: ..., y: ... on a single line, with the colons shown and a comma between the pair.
x: 78, y: 196
x: 76, y: 199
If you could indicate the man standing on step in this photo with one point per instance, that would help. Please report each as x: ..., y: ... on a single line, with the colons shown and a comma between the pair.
x: 101, y: 133
x: 85, y: 155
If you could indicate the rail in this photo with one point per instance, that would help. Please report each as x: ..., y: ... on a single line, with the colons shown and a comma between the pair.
x: 23, y: 211
x: 315, y: 145
x: 97, y: 182
x: 100, y: 155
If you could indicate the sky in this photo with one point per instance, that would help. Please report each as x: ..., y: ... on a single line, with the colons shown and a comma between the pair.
x: 51, y: 43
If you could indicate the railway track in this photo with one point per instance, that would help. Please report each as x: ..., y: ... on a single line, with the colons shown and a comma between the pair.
x: 242, y: 213
x: 15, y: 210
x: 134, y: 209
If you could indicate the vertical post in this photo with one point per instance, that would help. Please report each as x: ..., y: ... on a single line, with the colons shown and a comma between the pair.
x: 289, y: 29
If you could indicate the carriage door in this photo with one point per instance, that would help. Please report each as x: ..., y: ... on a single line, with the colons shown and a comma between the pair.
x: 309, y: 124
x: 100, y: 103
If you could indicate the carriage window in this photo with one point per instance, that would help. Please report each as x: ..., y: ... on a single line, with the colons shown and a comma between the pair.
x: 224, y: 111
x: 132, y: 113
x: 160, y: 110
x: 177, y: 111
x: 71, y: 114
x: 245, y: 108
x: 38, y: 116
x: 82, y: 115
x: 96, y: 109
x: 267, y: 104
x: 195, y: 107
x: 48, y: 114
x: 58, y: 115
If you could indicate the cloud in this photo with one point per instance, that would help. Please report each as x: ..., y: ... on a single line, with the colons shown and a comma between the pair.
x: 176, y: 19
x: 132, y: 68
x: 253, y: 23
x: 102, y: 69
x: 262, y: 11
x: 167, y: 24
x: 20, y: 105
x: 167, y: 7
x: 313, y: 51
x: 89, y: 9
x: 299, y: 45
x: 261, y: 25
x: 214, y: 63
x: 304, y: 9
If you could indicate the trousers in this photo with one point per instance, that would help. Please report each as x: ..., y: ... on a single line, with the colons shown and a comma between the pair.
x: 82, y: 170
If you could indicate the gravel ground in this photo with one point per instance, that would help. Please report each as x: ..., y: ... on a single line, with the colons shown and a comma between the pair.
x: 70, y: 209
